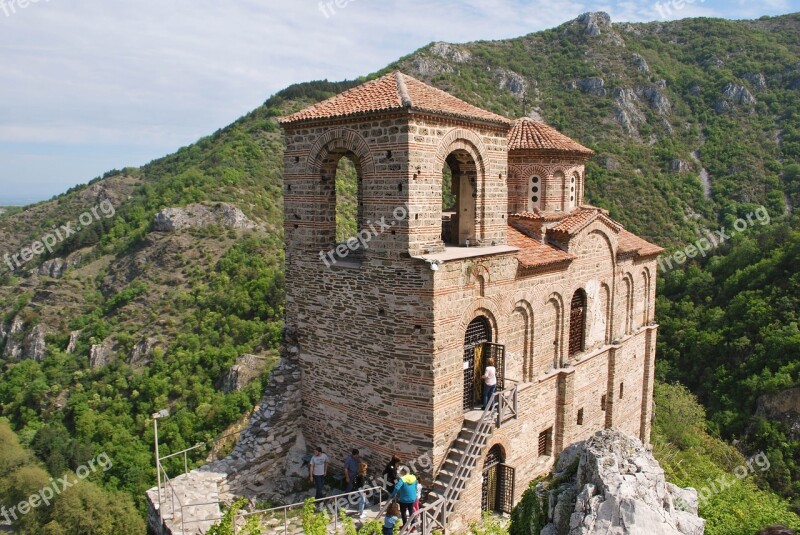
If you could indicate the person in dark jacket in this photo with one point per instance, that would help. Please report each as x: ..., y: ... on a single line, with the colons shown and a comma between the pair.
x: 406, y: 493
x: 390, y: 473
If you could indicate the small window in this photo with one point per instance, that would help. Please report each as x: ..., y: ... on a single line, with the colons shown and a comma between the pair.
x: 603, y: 402
x: 546, y: 442
x: 621, y: 390
x: 580, y: 416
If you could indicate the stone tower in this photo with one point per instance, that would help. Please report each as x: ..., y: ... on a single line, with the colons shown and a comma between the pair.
x: 473, y: 241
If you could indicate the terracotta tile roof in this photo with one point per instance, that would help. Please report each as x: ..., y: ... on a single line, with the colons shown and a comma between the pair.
x: 535, y: 254
x: 579, y: 218
x: 393, y: 92
x: 629, y: 242
x: 537, y: 215
x: 530, y: 134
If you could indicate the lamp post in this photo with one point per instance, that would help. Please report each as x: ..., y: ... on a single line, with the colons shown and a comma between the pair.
x: 163, y: 413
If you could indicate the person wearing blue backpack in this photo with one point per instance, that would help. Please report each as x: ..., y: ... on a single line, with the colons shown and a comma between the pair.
x: 406, y: 493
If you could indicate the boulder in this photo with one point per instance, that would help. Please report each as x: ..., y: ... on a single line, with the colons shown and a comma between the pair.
x: 618, y: 488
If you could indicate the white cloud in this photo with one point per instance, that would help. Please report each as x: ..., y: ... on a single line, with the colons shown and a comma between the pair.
x: 160, y: 74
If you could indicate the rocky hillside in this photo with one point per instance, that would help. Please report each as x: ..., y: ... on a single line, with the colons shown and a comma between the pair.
x: 694, y: 122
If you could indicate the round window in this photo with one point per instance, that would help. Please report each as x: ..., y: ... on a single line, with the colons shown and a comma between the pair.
x: 535, y: 198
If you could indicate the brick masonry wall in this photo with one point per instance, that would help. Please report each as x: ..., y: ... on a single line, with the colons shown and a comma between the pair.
x: 380, y: 336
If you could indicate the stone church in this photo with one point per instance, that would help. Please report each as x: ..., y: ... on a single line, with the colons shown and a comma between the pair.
x: 503, y: 260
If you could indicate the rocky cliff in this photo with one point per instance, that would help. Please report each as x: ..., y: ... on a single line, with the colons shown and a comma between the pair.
x: 612, y: 485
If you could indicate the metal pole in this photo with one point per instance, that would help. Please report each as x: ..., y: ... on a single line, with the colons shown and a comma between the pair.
x: 158, y: 473
x: 185, y: 463
x: 285, y: 522
x: 336, y: 514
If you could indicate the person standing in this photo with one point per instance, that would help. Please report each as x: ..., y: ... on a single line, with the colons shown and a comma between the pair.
x: 361, y: 483
x: 390, y: 473
x: 317, y: 470
x: 351, y: 467
x: 489, y: 382
x: 406, y: 493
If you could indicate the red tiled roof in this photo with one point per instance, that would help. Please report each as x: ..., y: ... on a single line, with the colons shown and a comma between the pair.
x: 535, y: 254
x: 391, y: 92
x: 581, y: 217
x: 629, y: 242
x: 530, y: 134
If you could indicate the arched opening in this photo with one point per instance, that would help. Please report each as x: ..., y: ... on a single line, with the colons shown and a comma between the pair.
x: 535, y: 192
x: 348, y: 198
x: 478, y: 333
x: 497, y: 493
x: 577, y: 322
x: 459, y: 192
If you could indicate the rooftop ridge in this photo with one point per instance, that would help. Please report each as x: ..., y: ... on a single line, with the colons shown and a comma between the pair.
x: 402, y: 90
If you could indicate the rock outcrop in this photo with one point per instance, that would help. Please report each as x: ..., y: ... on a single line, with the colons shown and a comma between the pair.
x: 626, y: 112
x: 640, y: 63
x: 246, y: 368
x: 784, y: 407
x: 738, y: 94
x: 201, y: 215
x: 595, y: 23
x: 756, y: 80
x: 593, y: 86
x: 618, y: 488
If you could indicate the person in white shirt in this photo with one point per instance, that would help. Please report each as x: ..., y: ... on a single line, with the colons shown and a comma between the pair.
x: 317, y: 470
x: 489, y: 382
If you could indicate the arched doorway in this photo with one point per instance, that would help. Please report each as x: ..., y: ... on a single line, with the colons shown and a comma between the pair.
x: 478, y: 349
x: 459, y: 187
x: 478, y: 333
x: 497, y: 493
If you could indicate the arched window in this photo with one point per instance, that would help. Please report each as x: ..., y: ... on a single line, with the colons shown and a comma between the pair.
x: 535, y: 192
x: 577, y: 322
x: 574, y: 190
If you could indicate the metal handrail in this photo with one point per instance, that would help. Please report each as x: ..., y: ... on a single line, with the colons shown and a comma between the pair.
x: 437, y: 511
x: 285, y: 508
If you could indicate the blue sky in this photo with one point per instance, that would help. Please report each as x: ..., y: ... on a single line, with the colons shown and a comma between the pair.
x: 91, y: 86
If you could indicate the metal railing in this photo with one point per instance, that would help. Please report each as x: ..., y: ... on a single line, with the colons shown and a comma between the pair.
x: 502, y: 407
x: 284, y: 510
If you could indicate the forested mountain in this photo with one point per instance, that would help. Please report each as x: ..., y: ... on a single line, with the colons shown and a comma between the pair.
x: 695, y: 123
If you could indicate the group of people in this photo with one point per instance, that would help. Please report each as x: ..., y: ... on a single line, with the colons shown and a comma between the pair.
x: 404, y: 489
